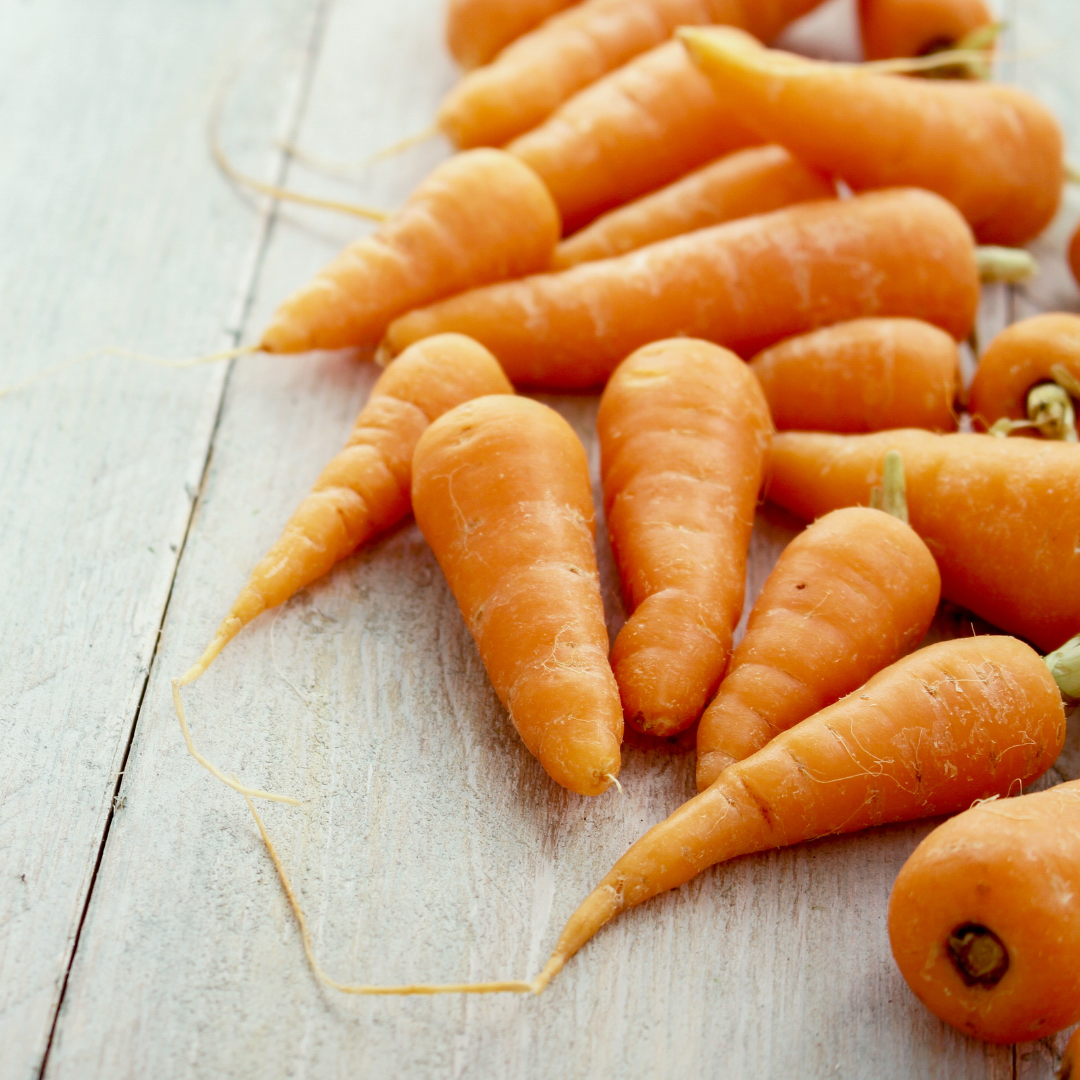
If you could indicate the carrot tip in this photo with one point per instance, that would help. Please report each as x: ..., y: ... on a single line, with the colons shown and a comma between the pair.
x: 614, y: 780
x: 383, y: 354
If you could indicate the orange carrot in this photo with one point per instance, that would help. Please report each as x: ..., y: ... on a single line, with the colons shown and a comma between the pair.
x: 1001, y: 517
x: 479, y: 217
x: 1070, y: 1062
x: 743, y: 285
x: 958, y: 721
x: 847, y: 597
x: 982, y: 918
x: 644, y: 125
x: 993, y: 151
x: 918, y: 27
x: 863, y: 375
x: 684, y: 431
x: 749, y: 182
x: 501, y: 493
x: 1074, y: 255
x: 476, y: 30
x: 542, y: 69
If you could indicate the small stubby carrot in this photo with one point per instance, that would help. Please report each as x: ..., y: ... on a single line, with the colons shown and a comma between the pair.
x: 740, y: 184
x: 961, y: 720
x: 684, y: 434
x: 983, y: 922
x: 918, y: 27
x: 477, y: 30
x: 501, y: 493
x: 863, y: 375
x: 1000, y: 516
x: 1070, y: 1060
x: 994, y: 151
x: 744, y: 285
x: 477, y: 218
x: 848, y: 596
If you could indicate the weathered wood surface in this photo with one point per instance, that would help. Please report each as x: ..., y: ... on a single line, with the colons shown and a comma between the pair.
x: 431, y: 846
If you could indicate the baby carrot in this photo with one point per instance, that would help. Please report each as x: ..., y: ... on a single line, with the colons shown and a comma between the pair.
x: 918, y: 27
x: 982, y: 918
x: 863, y: 375
x: 1001, y: 516
x: 748, y: 182
x: 684, y: 432
x: 476, y: 30
x: 957, y: 721
x: 848, y: 596
x: 744, y: 285
x: 501, y: 493
x: 994, y: 151
x: 479, y: 217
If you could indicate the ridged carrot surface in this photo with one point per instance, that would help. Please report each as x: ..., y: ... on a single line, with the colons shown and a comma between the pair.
x: 1001, y: 516
x: 738, y: 185
x: 744, y: 285
x: 917, y: 27
x: 994, y: 151
x: 684, y: 432
x: 501, y: 493
x: 959, y: 721
x: 476, y: 30
x: 863, y: 375
x: 477, y: 218
x: 847, y: 597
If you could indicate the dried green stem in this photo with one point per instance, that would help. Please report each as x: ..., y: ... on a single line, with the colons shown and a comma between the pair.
x: 1064, y: 665
x: 891, y: 496
x: 1004, y: 264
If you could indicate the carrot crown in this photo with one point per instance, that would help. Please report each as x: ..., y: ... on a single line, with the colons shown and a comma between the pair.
x: 1064, y: 665
x: 1050, y: 409
x: 891, y: 496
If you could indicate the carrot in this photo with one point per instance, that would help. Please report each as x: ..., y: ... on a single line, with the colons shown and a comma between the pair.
x: 477, y: 30
x: 863, y: 375
x: 542, y: 69
x: 918, y: 27
x: 1074, y: 255
x: 982, y: 918
x: 1001, y: 517
x: 752, y: 181
x: 479, y: 217
x: 848, y: 597
x: 1011, y: 382
x: 744, y: 285
x: 501, y: 493
x: 640, y: 127
x: 994, y: 151
x: 1071, y: 1058
x: 957, y: 721
x: 684, y: 432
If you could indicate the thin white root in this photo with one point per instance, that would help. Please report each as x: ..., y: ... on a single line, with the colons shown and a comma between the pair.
x: 512, y: 987
x: 1005, y: 264
x: 404, y: 144
x: 615, y: 781
x: 228, y: 781
x: 347, y: 170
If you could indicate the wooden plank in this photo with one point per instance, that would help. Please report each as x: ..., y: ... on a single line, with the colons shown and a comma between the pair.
x: 117, y: 229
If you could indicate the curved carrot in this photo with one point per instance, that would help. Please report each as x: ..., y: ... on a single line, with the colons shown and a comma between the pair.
x: 982, y: 918
x: 1001, y: 517
x: 644, y: 125
x: 743, y: 285
x: 994, y: 151
x: 863, y: 375
x: 684, y: 432
x: 958, y: 721
x: 477, y: 30
x: 501, y: 493
x: 738, y: 185
x: 918, y: 27
x: 478, y: 217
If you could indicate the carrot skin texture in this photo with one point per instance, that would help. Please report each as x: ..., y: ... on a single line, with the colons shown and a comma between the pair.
x: 747, y: 182
x: 477, y: 30
x: 863, y: 375
x: 891, y: 28
x: 994, y: 151
x: 501, y: 493
x: 848, y: 597
x: 684, y: 433
x: 1012, y: 867
x: 744, y: 285
x: 477, y: 218
x: 954, y: 722
x: 1001, y: 516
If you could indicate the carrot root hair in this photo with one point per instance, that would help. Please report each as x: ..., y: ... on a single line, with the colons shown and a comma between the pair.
x: 600, y: 907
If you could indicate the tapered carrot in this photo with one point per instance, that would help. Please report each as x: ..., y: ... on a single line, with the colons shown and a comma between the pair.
x: 918, y: 27
x: 958, y: 721
x: 863, y: 375
x: 738, y: 185
x: 848, y: 597
x: 994, y: 151
x: 476, y: 30
x: 684, y: 431
x: 983, y: 921
x: 1001, y: 517
x: 744, y: 285
x: 501, y: 493
x: 479, y: 217
x: 542, y: 69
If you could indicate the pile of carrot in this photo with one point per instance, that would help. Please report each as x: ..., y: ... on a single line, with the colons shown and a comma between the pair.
x: 654, y: 212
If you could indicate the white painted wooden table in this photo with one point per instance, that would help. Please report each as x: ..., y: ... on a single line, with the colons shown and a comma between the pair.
x: 142, y: 929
